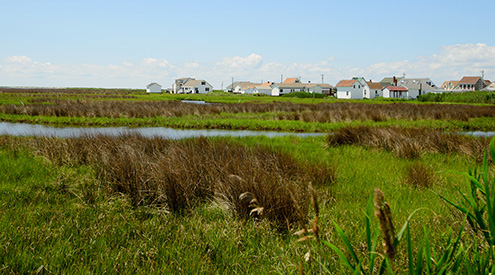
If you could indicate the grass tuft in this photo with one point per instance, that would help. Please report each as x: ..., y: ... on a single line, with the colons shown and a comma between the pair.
x: 419, y: 176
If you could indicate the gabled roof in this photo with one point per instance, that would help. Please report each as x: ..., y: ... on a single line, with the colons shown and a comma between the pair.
x: 346, y: 83
x: 324, y: 85
x: 416, y: 83
x: 263, y: 86
x: 290, y: 80
x: 397, y: 88
x: 469, y: 80
x: 390, y: 79
x: 266, y: 84
x: 453, y: 82
x: 374, y: 85
x: 491, y: 87
x: 193, y: 83
x: 151, y: 84
x: 243, y: 84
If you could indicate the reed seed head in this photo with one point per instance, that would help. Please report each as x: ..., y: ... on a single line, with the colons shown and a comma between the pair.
x: 384, y: 215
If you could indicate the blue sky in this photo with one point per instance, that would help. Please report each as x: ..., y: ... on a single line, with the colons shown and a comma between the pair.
x: 131, y: 43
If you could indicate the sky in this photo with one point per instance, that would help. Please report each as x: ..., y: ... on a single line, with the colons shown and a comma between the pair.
x: 129, y: 44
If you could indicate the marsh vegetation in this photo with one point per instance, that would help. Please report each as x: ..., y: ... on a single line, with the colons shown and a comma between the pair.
x: 129, y: 204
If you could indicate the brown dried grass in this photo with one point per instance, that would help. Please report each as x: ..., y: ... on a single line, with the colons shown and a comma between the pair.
x: 178, y: 175
x: 323, y: 112
x: 420, y: 176
x: 409, y: 142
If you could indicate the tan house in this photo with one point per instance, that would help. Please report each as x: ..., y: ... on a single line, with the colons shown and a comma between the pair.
x: 471, y: 83
x: 449, y: 85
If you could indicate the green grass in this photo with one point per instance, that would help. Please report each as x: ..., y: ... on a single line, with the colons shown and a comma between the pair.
x: 62, y: 219
x: 249, y: 122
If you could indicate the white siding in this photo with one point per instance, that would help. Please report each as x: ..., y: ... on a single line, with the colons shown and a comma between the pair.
x: 154, y: 88
x: 343, y: 93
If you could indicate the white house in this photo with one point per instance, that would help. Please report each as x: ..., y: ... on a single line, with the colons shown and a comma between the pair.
x: 193, y: 86
x: 354, y: 88
x: 373, y: 89
x: 176, y: 87
x: 239, y: 87
x: 418, y: 86
x: 153, y: 88
x: 449, y: 85
x: 395, y: 92
x: 267, y: 88
x: 490, y: 87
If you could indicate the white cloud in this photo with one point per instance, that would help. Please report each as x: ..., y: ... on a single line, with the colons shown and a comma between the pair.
x: 252, y: 61
x: 192, y: 65
x: 23, y: 71
x: 451, y: 62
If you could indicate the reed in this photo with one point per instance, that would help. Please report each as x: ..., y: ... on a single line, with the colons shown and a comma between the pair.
x: 179, y: 175
x: 409, y: 142
x: 321, y: 112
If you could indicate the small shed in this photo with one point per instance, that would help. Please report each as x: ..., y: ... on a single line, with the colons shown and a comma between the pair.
x: 154, y: 88
x: 395, y: 92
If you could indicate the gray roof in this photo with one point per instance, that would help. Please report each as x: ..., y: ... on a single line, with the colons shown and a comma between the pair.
x: 153, y: 83
x: 194, y: 82
x: 386, y: 81
x: 417, y: 83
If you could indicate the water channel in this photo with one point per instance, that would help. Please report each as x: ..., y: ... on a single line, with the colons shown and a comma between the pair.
x: 24, y: 129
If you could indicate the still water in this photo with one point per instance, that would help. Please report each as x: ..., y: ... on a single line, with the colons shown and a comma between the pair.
x: 23, y: 129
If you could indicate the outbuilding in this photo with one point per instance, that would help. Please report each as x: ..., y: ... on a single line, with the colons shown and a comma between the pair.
x: 395, y: 92
x: 154, y: 88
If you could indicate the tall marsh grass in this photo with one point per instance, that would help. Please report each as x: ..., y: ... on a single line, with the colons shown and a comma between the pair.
x: 322, y: 112
x: 409, y: 142
x: 179, y: 175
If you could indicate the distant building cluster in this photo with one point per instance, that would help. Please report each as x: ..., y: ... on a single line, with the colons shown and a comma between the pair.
x: 355, y: 88
x: 277, y: 89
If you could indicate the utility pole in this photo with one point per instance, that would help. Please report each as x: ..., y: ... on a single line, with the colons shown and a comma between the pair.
x: 232, y: 88
x: 322, y: 77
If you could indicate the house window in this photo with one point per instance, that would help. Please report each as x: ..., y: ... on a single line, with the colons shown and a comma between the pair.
x: 207, y: 89
x: 347, y: 93
x: 354, y: 86
x: 203, y: 83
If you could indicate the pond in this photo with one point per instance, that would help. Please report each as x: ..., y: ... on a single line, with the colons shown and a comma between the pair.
x: 23, y: 129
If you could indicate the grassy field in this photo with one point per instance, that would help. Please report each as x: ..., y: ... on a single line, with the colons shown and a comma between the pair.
x: 133, y: 205
x: 98, y: 205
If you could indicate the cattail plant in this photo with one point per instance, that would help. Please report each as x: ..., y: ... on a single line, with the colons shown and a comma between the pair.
x: 384, y: 215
